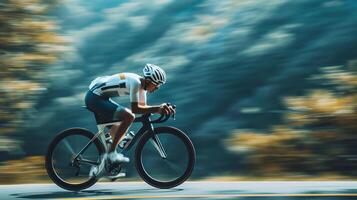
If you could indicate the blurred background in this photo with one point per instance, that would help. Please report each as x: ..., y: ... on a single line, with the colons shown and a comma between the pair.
x: 265, y: 89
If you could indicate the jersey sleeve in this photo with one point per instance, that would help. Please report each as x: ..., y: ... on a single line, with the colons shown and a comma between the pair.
x: 142, y: 97
x: 134, y: 91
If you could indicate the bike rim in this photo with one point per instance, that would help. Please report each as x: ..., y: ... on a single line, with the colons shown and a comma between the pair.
x: 63, y: 154
x: 167, y: 169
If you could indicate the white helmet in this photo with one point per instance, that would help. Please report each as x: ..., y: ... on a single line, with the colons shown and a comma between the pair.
x: 154, y: 73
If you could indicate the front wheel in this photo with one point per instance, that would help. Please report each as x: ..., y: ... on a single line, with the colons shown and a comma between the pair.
x: 166, y: 158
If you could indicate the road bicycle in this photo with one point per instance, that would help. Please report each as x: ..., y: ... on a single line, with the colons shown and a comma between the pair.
x: 164, y: 156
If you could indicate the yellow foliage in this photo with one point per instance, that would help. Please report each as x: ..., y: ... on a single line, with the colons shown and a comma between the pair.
x: 296, y: 103
x: 253, y: 141
x: 22, y: 69
x: 39, y: 25
x: 24, y: 170
x: 285, y: 148
x: 350, y: 79
x: 321, y: 101
x: 23, y: 105
x: 298, y: 119
x: 31, y: 57
x: 22, y: 86
x: 23, y: 4
x: 50, y: 38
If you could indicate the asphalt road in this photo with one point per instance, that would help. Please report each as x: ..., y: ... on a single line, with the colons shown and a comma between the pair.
x: 262, y: 190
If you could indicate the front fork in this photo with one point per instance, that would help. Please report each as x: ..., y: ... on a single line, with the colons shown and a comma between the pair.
x: 155, y: 141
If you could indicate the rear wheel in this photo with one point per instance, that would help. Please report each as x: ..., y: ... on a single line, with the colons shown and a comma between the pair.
x: 62, y: 169
x: 166, y: 158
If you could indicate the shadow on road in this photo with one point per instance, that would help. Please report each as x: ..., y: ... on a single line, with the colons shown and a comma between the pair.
x: 90, y: 193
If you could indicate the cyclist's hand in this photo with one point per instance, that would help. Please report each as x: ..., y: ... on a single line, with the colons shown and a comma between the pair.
x: 164, y: 109
x: 172, y: 109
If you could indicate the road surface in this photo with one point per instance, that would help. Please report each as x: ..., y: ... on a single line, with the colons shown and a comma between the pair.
x: 246, y: 190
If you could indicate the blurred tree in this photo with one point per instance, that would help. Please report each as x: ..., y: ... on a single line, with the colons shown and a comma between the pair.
x: 28, y: 45
x: 26, y: 170
x: 318, y: 136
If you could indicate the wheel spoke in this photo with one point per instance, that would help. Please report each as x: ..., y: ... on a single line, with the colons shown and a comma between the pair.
x: 68, y: 146
x: 172, y: 166
x: 89, y: 162
x: 158, y: 147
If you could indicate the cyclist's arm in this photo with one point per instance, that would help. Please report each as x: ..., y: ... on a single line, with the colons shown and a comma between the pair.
x: 144, y: 109
x: 138, y: 100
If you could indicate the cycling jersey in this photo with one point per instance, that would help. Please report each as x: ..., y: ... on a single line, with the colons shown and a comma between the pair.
x: 121, y: 84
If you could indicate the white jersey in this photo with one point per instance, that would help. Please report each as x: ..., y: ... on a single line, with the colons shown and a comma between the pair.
x: 121, y: 84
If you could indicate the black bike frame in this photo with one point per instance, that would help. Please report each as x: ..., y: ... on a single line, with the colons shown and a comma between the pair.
x: 146, y: 127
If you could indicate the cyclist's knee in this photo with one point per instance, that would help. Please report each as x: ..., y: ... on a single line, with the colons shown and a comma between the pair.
x: 129, y: 116
x: 124, y: 114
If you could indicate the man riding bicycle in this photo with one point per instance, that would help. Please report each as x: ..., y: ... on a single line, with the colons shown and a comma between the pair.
x: 102, y: 89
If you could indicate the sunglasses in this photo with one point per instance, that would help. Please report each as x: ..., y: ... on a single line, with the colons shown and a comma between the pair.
x: 157, y: 86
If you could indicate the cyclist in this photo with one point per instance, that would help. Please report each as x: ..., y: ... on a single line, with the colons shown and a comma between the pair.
x: 102, y: 89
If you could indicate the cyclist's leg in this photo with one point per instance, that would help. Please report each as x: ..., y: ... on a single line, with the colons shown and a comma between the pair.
x: 118, y: 131
x: 110, y: 109
x: 100, y: 105
x: 107, y: 108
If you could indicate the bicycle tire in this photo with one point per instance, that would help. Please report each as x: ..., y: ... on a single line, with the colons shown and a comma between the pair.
x: 191, y: 160
x: 49, y: 164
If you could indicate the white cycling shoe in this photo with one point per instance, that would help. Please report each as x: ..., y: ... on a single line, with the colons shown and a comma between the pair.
x: 115, y: 157
x: 97, y: 170
x: 93, y: 171
x: 112, y: 157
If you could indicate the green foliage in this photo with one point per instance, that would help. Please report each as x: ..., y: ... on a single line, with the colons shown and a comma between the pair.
x: 29, y: 44
x: 318, y: 135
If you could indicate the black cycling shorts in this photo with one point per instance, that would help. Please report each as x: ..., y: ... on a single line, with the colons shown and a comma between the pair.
x: 102, y: 106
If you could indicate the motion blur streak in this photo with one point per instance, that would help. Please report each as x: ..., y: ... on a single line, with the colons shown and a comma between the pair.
x: 265, y: 89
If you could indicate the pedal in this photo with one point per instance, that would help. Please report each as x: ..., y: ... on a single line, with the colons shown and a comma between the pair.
x: 113, y: 168
x: 120, y: 175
